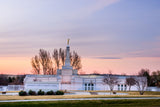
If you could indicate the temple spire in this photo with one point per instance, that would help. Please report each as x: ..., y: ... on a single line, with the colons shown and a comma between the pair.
x: 68, y: 41
x: 67, y: 60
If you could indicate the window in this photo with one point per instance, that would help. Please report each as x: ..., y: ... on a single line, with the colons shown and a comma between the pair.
x: 121, y: 87
x: 92, y: 86
x: 125, y: 87
x: 118, y: 87
x: 85, y: 86
x: 89, y: 86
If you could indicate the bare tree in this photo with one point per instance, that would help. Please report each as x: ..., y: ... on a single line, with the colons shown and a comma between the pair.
x: 51, y: 70
x: 3, y: 80
x: 130, y: 82
x: 56, y: 57
x: 156, y: 78
x: 43, y: 60
x: 62, y: 56
x: 141, y: 83
x: 43, y: 63
x: 75, y: 61
x: 18, y: 80
x: 111, y: 81
x: 59, y: 58
x: 146, y: 73
x: 35, y: 65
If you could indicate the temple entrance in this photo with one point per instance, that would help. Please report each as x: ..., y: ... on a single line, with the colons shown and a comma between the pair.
x: 89, y: 86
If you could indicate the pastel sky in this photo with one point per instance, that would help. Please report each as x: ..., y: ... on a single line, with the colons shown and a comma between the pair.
x: 118, y: 35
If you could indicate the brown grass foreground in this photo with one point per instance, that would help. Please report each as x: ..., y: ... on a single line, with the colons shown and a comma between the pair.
x: 3, y: 97
x: 131, y: 94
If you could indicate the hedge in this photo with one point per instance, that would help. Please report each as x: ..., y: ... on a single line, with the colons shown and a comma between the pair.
x: 22, y: 93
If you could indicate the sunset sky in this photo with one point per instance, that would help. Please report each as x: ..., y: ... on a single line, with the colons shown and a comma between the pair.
x: 122, y: 36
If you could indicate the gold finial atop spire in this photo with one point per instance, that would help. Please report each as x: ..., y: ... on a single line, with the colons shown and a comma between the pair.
x: 68, y: 41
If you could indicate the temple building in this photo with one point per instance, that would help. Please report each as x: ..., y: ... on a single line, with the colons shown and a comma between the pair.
x: 69, y: 79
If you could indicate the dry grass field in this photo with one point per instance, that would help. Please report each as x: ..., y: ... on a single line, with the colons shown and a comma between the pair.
x: 10, y: 91
x: 3, y: 97
x: 131, y: 94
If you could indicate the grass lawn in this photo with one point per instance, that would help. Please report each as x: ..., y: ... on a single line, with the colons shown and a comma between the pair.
x: 4, y: 97
x: 87, y: 103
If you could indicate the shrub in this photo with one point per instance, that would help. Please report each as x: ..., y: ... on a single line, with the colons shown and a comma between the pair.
x: 31, y: 92
x: 4, y: 92
x: 40, y: 92
x: 114, y: 92
x: 59, y: 93
x: 22, y: 93
x: 50, y: 93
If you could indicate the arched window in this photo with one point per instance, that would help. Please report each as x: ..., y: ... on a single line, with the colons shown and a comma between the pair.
x: 125, y: 87
x: 89, y: 86
x: 122, y: 87
x: 85, y: 86
x: 92, y: 86
x: 118, y: 87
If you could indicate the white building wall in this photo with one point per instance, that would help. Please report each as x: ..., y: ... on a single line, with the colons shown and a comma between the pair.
x: 78, y: 82
x: 43, y: 82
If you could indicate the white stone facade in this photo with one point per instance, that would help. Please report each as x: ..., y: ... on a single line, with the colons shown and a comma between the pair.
x: 68, y: 79
x: 77, y: 82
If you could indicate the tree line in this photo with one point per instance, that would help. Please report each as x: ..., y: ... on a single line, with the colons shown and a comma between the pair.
x: 11, y: 80
x: 139, y: 81
x: 47, y: 63
x: 152, y: 79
